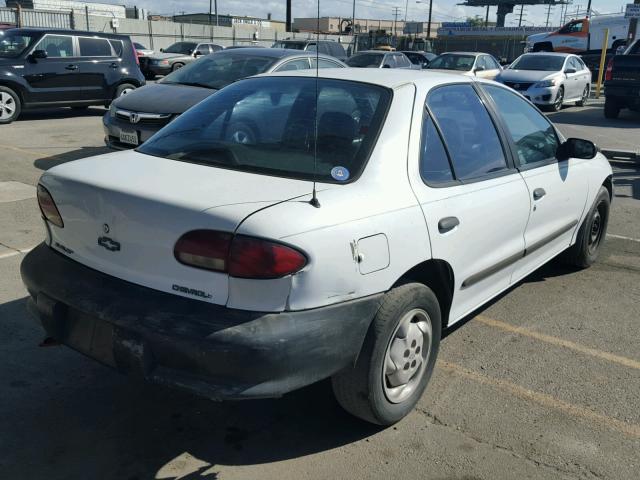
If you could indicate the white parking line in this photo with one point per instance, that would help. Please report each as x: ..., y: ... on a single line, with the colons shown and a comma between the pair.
x: 13, y: 253
x: 622, y: 237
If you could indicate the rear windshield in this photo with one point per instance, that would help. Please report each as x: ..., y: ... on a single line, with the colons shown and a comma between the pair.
x: 462, y: 63
x: 365, y: 60
x: 217, y: 71
x: 267, y: 125
x: 542, y: 63
x: 290, y: 45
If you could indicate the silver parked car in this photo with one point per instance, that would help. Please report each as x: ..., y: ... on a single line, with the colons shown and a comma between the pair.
x: 379, y: 59
x: 550, y: 80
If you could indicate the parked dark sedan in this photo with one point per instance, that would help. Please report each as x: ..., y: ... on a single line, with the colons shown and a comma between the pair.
x: 135, y: 118
x: 174, y: 57
x: 420, y: 59
x: 63, y: 68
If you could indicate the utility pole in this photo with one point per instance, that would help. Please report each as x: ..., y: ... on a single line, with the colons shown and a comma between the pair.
x: 288, y: 22
x: 429, y: 23
x: 521, y: 14
x: 589, y: 9
x: 396, y: 12
x: 486, y: 20
x: 548, y: 14
x: 353, y: 18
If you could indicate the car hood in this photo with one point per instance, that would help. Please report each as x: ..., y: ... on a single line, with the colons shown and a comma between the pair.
x: 161, y: 55
x: 537, y: 37
x: 163, y: 98
x: 526, y: 75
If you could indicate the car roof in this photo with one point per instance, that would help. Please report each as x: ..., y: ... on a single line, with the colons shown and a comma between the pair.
x: 475, y: 54
x: 65, y: 31
x: 271, y: 52
x: 379, y: 52
x: 386, y: 77
x: 553, y: 54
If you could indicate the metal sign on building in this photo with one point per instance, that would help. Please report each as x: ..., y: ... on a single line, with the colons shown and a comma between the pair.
x: 413, y: 28
x: 633, y: 11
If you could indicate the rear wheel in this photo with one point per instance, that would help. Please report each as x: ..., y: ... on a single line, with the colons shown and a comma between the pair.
x: 397, y: 358
x: 124, y: 89
x: 611, y: 108
x: 177, y: 66
x: 10, y: 105
x: 591, y: 234
x: 585, y: 97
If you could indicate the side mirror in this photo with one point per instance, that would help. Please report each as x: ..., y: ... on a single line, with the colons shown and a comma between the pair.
x: 570, y: 70
x: 39, y: 54
x: 197, y: 53
x: 577, y: 148
x: 479, y: 69
x: 162, y: 49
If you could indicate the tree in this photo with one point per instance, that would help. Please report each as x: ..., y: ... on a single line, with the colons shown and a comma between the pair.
x: 475, y: 21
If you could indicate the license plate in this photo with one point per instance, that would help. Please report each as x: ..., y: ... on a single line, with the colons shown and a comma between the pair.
x: 128, y: 136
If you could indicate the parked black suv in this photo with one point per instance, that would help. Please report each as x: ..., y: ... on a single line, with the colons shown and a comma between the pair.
x: 63, y: 68
x: 327, y: 47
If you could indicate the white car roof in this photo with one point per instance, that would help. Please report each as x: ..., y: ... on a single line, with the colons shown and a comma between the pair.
x: 386, y: 77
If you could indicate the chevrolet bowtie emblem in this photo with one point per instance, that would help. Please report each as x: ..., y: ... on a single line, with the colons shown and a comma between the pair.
x: 109, y: 244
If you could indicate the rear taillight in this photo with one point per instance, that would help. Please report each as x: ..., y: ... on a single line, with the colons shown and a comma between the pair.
x: 48, y: 207
x: 135, y: 54
x: 239, y: 256
x: 608, y: 76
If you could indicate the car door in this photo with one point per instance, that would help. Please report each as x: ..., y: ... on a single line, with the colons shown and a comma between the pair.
x: 583, y: 77
x: 573, y: 83
x: 99, y: 68
x: 53, y: 79
x: 474, y: 201
x: 558, y: 189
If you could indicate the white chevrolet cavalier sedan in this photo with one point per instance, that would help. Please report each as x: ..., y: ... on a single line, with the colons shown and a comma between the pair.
x: 202, y: 260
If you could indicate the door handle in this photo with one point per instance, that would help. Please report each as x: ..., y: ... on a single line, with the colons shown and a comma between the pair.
x: 538, y: 193
x: 447, y: 224
x: 71, y: 67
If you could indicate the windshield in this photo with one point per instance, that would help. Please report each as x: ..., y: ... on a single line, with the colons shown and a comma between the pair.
x: 462, y: 63
x: 12, y: 44
x: 266, y: 125
x: 365, y: 60
x: 181, y: 47
x: 542, y: 63
x: 221, y: 69
x: 290, y: 45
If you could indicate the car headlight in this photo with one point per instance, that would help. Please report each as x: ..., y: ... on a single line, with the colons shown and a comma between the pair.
x: 548, y: 83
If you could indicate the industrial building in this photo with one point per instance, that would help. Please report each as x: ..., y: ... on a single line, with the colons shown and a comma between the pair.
x: 100, y: 9
x: 363, y: 25
x: 230, y: 20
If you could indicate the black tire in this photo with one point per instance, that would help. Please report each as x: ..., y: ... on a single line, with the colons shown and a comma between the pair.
x: 611, y: 108
x: 150, y: 76
x: 592, y: 233
x: 11, y: 106
x: 176, y: 66
x: 585, y: 96
x: 359, y: 389
x: 123, y: 89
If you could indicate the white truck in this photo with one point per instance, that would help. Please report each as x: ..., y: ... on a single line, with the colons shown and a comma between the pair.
x: 582, y: 35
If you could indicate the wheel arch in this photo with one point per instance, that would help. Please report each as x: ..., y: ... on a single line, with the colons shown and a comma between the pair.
x: 16, y: 87
x: 608, y: 184
x: 438, y: 275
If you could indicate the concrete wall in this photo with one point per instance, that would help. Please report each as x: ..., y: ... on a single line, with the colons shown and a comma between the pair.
x: 157, y: 35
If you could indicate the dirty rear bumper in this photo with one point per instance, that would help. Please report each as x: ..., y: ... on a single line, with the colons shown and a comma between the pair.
x: 208, y: 349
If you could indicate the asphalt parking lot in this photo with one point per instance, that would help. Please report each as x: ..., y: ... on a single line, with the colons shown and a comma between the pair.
x: 542, y: 383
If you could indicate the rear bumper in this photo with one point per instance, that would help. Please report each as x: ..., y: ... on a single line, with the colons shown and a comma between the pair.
x: 627, y: 95
x: 207, y: 349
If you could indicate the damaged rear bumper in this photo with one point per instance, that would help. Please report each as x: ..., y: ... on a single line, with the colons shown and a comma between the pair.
x: 208, y: 349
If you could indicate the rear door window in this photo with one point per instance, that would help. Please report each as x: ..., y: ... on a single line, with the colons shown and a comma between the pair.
x: 56, y: 46
x: 325, y: 63
x: 268, y: 125
x: 94, y: 47
x: 434, y: 161
x: 469, y: 133
x: 298, y: 64
x: 118, y: 47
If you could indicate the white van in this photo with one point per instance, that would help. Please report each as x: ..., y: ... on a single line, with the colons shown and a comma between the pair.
x: 582, y: 35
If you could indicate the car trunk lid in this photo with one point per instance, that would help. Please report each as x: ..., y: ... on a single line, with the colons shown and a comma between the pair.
x: 126, y: 225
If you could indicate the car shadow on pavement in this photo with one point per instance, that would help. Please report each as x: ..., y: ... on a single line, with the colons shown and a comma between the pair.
x: 56, y: 113
x: 46, y: 163
x: 69, y: 417
x: 594, y: 117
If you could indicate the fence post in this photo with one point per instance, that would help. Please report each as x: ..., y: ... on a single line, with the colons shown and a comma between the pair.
x: 86, y: 12
x: 150, y: 35
x: 19, y: 16
x: 72, y: 20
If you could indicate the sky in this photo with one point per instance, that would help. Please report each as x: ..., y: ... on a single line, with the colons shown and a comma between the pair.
x: 443, y: 10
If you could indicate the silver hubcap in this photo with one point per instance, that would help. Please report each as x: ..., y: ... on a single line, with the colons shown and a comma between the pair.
x: 7, y: 106
x: 125, y: 91
x: 559, y: 100
x: 240, y: 136
x: 407, y: 355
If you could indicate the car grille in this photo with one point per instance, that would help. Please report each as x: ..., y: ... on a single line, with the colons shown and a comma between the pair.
x: 140, y: 118
x: 519, y: 86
